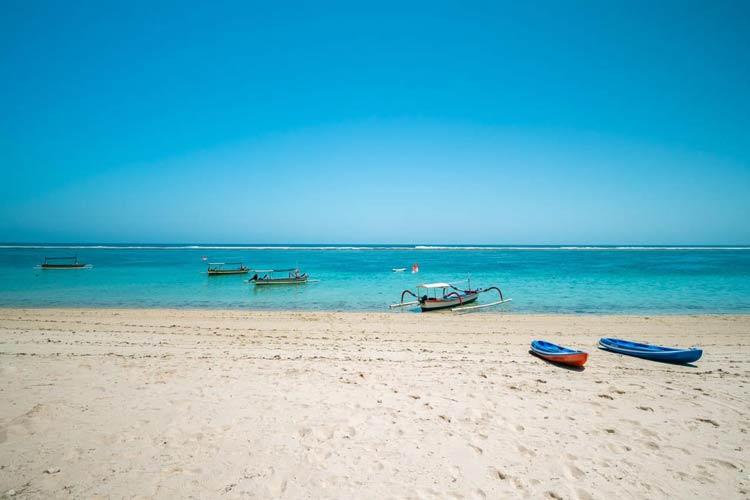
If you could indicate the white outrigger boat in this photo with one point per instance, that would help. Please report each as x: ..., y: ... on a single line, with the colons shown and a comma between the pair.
x: 278, y: 277
x: 434, y: 296
x: 218, y: 269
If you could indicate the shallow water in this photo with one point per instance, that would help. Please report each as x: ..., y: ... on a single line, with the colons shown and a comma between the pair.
x: 598, y: 280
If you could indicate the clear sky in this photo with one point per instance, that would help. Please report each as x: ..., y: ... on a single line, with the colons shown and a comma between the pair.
x: 403, y: 122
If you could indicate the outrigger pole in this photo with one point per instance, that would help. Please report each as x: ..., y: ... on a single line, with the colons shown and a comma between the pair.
x: 482, y: 306
x: 402, y: 303
x: 413, y: 303
x: 468, y: 308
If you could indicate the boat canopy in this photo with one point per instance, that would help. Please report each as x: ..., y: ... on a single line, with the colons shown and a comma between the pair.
x: 224, y: 263
x: 272, y: 270
x: 435, y: 285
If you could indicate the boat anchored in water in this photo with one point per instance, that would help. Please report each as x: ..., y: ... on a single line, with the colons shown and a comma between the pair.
x: 278, y: 277
x: 217, y: 268
x: 414, y: 269
x: 434, y: 296
x: 63, y: 263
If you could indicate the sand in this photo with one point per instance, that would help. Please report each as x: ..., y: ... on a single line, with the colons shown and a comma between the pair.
x: 228, y: 404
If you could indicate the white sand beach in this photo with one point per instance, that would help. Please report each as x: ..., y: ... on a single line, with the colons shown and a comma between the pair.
x: 228, y: 404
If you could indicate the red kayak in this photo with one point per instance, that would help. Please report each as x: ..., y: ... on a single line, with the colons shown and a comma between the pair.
x: 558, y: 354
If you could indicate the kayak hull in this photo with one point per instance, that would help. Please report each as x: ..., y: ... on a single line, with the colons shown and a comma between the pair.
x: 558, y: 354
x: 651, y: 352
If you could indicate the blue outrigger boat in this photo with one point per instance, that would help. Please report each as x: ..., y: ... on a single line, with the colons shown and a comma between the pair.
x: 652, y: 352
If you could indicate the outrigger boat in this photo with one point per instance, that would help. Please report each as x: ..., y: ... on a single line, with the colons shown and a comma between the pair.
x: 277, y: 277
x: 217, y: 268
x: 72, y: 263
x: 434, y: 296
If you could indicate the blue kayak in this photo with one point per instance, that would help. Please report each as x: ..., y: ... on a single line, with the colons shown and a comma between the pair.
x: 652, y: 352
x: 558, y: 354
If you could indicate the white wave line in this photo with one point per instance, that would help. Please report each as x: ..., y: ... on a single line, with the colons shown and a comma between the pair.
x: 379, y: 248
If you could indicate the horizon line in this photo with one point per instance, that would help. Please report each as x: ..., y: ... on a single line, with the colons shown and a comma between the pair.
x: 418, y: 246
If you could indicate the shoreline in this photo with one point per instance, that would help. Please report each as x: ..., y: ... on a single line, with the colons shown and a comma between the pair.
x: 486, y: 314
x: 145, y: 403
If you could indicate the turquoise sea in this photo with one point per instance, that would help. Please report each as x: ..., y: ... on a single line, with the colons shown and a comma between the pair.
x: 540, y: 279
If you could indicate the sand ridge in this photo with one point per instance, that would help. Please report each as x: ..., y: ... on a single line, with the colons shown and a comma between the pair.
x: 107, y: 403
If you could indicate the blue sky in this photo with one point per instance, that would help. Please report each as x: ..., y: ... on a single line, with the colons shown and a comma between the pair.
x: 426, y: 122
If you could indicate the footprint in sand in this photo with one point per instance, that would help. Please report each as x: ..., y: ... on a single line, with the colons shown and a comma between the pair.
x: 323, y: 433
x: 503, y: 476
x: 650, y: 433
x: 616, y: 448
x: 651, y: 445
x: 498, y: 474
x: 428, y: 493
x: 477, y: 449
x: 183, y: 404
x: 583, y: 494
x: 573, y: 472
x: 318, y: 456
x: 708, y: 421
x: 276, y: 484
x: 348, y: 432
x: 525, y: 451
x: 475, y: 415
x: 723, y: 463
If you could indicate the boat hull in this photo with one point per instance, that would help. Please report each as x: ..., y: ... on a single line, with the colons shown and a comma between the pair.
x: 280, y: 281
x: 223, y: 272
x: 436, y: 304
x: 558, y: 354
x: 62, y: 266
x: 651, y: 352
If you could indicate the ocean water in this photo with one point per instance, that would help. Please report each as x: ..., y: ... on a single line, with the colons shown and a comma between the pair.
x: 592, y: 280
